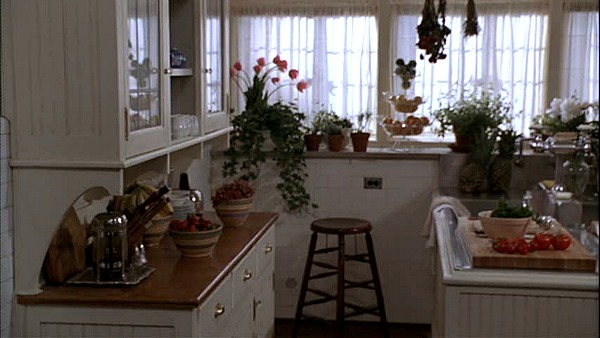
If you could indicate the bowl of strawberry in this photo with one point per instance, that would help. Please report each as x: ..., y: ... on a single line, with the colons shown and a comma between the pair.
x: 233, y: 201
x: 195, y: 236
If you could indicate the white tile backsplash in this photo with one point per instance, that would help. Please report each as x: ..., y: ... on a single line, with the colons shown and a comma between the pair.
x: 397, y: 213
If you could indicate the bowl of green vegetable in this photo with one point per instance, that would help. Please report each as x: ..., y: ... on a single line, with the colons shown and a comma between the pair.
x: 508, y: 222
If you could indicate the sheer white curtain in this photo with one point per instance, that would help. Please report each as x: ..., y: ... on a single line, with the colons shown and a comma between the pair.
x: 508, y: 54
x: 333, y: 44
x: 579, y: 71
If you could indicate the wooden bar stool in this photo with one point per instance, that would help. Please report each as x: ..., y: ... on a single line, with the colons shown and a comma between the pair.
x: 341, y: 227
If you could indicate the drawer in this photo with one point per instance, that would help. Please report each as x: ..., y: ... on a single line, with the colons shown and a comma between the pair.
x: 216, y: 311
x: 265, y: 252
x: 264, y: 308
x: 244, y: 277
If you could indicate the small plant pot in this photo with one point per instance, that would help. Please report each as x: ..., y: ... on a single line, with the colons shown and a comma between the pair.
x: 360, y: 141
x: 234, y: 213
x: 335, y: 142
x: 312, y: 141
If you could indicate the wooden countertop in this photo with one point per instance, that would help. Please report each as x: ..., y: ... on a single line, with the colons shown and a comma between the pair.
x: 177, y: 282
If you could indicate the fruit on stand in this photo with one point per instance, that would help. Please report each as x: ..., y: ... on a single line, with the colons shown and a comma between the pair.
x: 412, y: 125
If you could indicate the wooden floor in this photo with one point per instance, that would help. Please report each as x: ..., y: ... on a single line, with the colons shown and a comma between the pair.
x: 283, y: 329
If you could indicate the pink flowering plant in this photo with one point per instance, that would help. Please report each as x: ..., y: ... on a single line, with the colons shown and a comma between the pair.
x: 264, y: 80
x: 245, y: 155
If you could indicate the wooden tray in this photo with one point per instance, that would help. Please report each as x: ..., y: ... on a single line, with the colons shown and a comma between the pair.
x: 575, y: 258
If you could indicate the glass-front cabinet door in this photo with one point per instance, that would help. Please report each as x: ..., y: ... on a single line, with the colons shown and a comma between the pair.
x: 147, y: 74
x: 215, y: 55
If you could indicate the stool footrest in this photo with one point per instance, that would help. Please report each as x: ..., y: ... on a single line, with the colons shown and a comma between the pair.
x: 361, y: 310
x: 323, y: 275
x: 363, y: 285
x: 326, y: 297
x: 327, y: 250
x: 325, y: 265
x: 364, y: 258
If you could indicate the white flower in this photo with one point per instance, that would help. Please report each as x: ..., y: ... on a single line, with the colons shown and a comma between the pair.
x: 570, y: 109
x: 554, y: 110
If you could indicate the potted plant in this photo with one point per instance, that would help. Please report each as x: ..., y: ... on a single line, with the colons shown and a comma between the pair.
x: 283, y: 121
x: 360, y: 137
x: 335, y: 137
x: 232, y: 201
x: 330, y: 123
x: 506, y: 221
x: 476, y: 111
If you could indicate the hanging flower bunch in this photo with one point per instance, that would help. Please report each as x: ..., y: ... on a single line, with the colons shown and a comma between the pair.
x: 432, y: 33
x: 565, y: 115
x: 471, y: 26
x: 256, y: 87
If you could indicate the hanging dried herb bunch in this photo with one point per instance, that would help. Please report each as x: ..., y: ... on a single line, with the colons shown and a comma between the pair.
x: 432, y: 33
x: 471, y: 26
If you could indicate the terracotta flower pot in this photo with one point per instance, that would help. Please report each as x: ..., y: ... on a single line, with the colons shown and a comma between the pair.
x: 234, y: 213
x: 312, y: 141
x: 360, y: 141
x: 335, y: 142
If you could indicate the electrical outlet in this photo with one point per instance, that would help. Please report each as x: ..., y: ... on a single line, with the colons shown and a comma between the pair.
x: 373, y: 182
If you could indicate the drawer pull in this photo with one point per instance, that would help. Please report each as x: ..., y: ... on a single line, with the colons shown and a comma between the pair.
x: 219, y: 309
x: 268, y: 248
x: 168, y: 71
x: 247, y: 274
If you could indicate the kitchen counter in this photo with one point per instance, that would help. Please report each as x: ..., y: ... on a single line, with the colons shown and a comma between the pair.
x: 177, y: 282
x: 478, y: 302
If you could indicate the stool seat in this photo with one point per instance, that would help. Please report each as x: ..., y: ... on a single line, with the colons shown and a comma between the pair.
x: 341, y: 226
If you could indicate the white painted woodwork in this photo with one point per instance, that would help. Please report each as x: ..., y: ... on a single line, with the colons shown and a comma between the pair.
x: 510, y: 303
x: 65, y: 64
x: 240, y: 318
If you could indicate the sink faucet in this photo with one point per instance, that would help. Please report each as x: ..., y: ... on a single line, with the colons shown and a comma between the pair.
x: 519, y: 157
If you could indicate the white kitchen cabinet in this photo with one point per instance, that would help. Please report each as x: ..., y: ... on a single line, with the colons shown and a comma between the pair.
x: 89, y: 91
x: 239, y: 302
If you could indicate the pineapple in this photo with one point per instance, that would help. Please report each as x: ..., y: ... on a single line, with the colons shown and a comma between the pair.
x: 500, y: 172
x: 471, y: 178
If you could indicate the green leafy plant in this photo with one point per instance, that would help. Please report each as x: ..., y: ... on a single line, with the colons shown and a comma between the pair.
x: 504, y: 210
x: 245, y: 155
x: 479, y: 109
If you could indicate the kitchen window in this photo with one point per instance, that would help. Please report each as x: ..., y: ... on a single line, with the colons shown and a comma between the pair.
x: 347, y: 49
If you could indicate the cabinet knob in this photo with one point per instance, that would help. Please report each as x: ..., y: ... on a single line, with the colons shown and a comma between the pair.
x: 268, y: 248
x: 208, y: 71
x: 168, y: 71
x: 247, y: 274
x: 219, y: 309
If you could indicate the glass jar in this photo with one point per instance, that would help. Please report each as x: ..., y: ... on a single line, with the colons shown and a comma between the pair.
x: 110, y: 246
x: 576, y: 175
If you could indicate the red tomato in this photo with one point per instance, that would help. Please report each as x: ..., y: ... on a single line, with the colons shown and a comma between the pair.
x: 523, y: 247
x: 561, y: 241
x: 511, y: 247
x: 542, y: 241
x: 499, y: 245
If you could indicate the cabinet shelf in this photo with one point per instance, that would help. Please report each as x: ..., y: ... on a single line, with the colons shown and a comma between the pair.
x: 174, y: 146
x: 181, y: 72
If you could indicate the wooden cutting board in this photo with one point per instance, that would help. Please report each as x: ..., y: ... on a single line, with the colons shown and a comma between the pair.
x: 575, y: 258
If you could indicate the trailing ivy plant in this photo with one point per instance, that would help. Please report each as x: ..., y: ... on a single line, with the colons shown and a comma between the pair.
x: 246, y: 154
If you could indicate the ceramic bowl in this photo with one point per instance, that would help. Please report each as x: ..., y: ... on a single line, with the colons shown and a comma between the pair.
x: 508, y: 228
x: 196, y: 244
x: 155, y: 233
x: 234, y: 213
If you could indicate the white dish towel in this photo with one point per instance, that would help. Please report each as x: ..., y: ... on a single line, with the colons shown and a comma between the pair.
x: 439, y: 201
